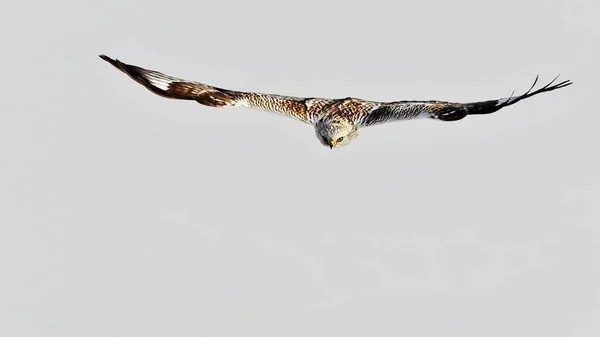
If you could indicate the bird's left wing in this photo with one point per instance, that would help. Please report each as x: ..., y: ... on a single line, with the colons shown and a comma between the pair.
x: 447, y: 111
x: 302, y: 109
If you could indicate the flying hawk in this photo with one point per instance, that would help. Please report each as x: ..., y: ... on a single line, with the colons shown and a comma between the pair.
x: 336, y: 121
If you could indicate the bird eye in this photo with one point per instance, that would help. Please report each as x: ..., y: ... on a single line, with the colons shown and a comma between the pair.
x: 339, y: 140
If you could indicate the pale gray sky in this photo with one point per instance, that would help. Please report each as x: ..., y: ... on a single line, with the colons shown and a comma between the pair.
x: 127, y: 214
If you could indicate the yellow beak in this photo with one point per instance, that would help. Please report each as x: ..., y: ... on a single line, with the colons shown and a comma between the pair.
x: 332, y: 142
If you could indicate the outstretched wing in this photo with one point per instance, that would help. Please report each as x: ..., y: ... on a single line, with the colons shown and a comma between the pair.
x: 303, y: 109
x: 448, y: 111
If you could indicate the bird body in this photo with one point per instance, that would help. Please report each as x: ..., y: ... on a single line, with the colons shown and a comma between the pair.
x: 336, y: 121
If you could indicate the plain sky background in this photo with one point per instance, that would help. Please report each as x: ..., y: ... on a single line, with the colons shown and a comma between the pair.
x: 126, y: 214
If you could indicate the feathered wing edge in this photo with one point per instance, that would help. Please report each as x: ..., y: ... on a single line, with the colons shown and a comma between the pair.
x: 461, y: 110
x: 548, y: 87
x: 448, y: 111
x: 177, y: 88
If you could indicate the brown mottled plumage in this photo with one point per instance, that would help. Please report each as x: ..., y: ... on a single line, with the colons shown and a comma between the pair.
x: 336, y: 121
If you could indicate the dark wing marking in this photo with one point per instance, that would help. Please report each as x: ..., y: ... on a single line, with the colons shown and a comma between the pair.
x: 303, y: 109
x: 402, y: 110
x: 449, y: 111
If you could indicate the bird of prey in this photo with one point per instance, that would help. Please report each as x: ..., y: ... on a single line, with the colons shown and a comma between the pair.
x: 336, y: 120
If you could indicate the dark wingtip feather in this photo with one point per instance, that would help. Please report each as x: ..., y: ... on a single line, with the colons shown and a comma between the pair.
x: 487, y: 107
x: 529, y: 93
x: 106, y: 58
x: 132, y: 71
x: 137, y: 74
x: 113, y: 62
x: 563, y: 84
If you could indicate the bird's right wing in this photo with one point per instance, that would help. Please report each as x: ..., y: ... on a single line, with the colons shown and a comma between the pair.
x: 302, y: 109
x: 448, y: 111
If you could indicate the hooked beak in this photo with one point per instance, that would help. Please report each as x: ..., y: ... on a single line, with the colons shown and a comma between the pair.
x: 332, y: 143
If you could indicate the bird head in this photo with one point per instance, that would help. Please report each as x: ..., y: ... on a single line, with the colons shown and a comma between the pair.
x: 335, y: 133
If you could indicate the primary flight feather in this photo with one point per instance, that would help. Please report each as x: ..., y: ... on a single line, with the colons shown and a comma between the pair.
x: 336, y: 121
